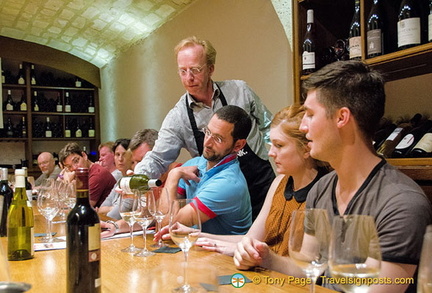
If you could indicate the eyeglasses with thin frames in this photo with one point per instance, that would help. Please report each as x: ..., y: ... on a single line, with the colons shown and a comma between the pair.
x: 216, y: 138
x: 192, y: 70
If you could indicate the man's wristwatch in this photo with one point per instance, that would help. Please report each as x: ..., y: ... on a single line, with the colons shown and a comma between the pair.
x: 115, y: 225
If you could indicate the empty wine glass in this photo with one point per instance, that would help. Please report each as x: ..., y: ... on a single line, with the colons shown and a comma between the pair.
x: 308, y: 242
x: 48, y: 205
x: 184, y: 229
x: 355, y: 253
x: 144, y: 208
x: 161, y: 196
x: 125, y: 209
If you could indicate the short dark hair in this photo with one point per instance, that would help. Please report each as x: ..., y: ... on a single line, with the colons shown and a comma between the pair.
x: 238, y: 117
x: 354, y: 85
x: 69, y: 149
x: 148, y: 136
x: 124, y: 142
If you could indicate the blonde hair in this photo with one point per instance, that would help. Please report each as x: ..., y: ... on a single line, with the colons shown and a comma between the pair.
x: 209, y: 50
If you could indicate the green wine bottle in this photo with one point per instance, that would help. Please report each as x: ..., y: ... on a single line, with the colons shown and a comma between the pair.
x: 83, y: 241
x: 138, y: 182
x: 20, y: 229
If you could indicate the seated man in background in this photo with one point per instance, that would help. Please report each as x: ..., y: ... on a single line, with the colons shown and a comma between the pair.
x: 344, y: 104
x: 101, y: 181
x: 48, y: 168
x: 106, y: 159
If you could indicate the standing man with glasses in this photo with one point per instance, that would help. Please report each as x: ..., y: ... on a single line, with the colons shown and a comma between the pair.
x: 182, y: 127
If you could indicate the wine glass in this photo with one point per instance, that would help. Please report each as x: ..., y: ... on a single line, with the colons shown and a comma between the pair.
x: 355, y: 253
x: 184, y: 229
x: 48, y: 205
x: 125, y: 209
x: 308, y: 242
x: 144, y: 208
x: 162, y: 205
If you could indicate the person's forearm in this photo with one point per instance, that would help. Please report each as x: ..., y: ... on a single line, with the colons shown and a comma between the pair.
x: 282, y: 264
x: 228, y: 238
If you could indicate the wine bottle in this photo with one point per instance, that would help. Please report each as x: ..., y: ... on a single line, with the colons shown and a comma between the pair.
x: 23, y: 127
x: 23, y: 103
x: 308, y: 56
x: 91, y: 130
x: 28, y: 185
x: 83, y: 241
x: 91, y: 108
x: 35, y: 102
x: 5, y: 200
x: 395, y: 137
x: 408, y: 26
x: 67, y: 129
x: 78, y: 131
x: 59, y: 106
x: 32, y: 75
x: 77, y: 82
x: 9, y: 101
x: 430, y: 22
x: 423, y: 148
x: 21, y: 75
x: 411, y: 139
x: 374, y: 36
x: 137, y: 182
x: 3, y: 77
x: 20, y: 227
x: 354, y: 39
x: 67, y: 103
x: 380, y: 136
x: 9, y: 128
x: 48, y: 130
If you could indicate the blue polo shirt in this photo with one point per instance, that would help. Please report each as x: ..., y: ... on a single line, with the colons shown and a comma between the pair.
x: 222, y: 194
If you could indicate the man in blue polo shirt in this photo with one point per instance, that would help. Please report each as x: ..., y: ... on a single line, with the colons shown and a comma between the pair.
x: 214, y: 179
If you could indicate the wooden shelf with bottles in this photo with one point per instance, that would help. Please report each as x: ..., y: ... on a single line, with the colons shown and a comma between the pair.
x: 332, y: 22
x: 34, y: 140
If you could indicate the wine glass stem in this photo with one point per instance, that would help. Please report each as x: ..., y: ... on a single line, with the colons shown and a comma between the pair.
x: 312, y: 285
x: 186, y: 254
x: 158, y: 222
x: 131, y: 235
x: 145, y: 236
x: 49, y: 236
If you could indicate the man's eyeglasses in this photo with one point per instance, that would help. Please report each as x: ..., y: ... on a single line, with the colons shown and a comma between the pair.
x: 192, y: 70
x: 75, y: 161
x: 216, y: 138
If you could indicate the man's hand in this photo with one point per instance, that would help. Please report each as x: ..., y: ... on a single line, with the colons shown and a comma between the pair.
x: 250, y: 253
x: 186, y: 173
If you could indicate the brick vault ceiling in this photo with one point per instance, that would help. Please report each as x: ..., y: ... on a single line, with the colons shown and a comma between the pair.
x: 93, y: 30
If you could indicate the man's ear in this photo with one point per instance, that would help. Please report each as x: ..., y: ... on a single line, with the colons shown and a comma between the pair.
x: 343, y: 116
x: 239, y: 144
x: 84, y: 155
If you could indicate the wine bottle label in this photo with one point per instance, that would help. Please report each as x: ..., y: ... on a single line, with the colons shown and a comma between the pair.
x: 19, y: 182
x: 36, y: 108
x: 94, y: 243
x: 33, y: 81
x: 9, y: 107
x: 91, y: 133
x: 355, y: 47
x: 21, y: 80
x: 67, y: 108
x: 425, y: 143
x: 59, y: 108
x: 91, y: 109
x: 374, y: 42
x: 394, y: 134
x: 3, y: 79
x: 124, y: 185
x: 48, y: 133
x: 308, y: 60
x: 78, y: 133
x: 29, y: 196
x: 23, y: 107
x: 408, y: 31
x: 407, y: 141
x: 67, y: 133
x: 430, y: 27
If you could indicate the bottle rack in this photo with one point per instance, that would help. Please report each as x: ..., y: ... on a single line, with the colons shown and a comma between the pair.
x: 47, y: 98
x: 332, y: 21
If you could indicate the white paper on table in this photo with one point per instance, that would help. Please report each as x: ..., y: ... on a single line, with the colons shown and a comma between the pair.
x: 40, y: 246
x: 127, y: 234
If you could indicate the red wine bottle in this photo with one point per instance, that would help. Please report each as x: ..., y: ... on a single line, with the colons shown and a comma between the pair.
x: 375, y: 31
x: 309, y: 56
x: 354, y: 39
x: 411, y: 139
x: 83, y: 253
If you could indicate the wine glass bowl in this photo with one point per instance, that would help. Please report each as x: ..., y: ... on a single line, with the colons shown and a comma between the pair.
x: 125, y: 208
x: 143, y: 209
x: 308, y: 242
x: 355, y: 253
x: 184, y: 229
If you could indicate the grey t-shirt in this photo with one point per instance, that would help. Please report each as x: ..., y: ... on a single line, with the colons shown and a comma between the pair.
x: 399, y: 206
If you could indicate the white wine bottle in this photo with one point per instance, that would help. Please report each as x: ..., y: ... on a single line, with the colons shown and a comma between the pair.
x: 78, y: 131
x: 83, y: 243
x: 48, y: 130
x: 6, y: 194
x: 308, y: 56
x: 408, y: 26
x: 354, y: 40
x: 67, y: 129
x: 32, y: 75
x: 35, y: 102
x: 374, y: 36
x: 9, y: 101
x: 67, y: 103
x: 137, y: 182
x: 23, y: 103
x: 20, y: 229
x: 91, y: 130
x: 59, y: 105
x: 21, y: 75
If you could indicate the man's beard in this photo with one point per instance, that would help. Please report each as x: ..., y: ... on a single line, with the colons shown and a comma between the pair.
x: 216, y: 158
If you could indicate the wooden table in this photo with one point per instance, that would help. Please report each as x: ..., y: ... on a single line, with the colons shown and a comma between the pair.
x: 123, y: 272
